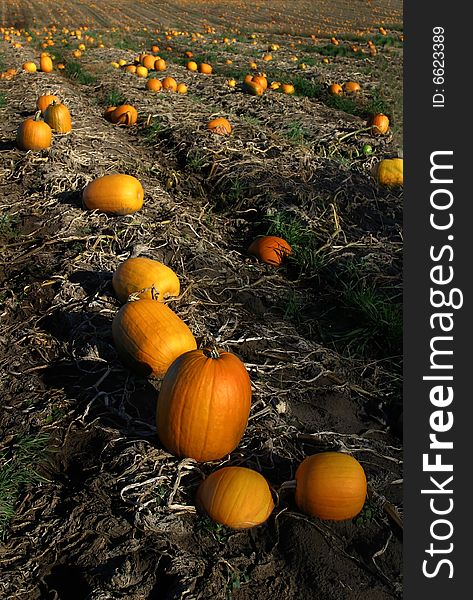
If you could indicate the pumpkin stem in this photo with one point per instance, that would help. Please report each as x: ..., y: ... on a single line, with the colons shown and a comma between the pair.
x: 212, y: 352
x: 37, y: 115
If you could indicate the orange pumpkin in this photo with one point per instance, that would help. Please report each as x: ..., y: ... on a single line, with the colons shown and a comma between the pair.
x: 181, y: 88
x: 125, y: 114
x: 330, y: 485
x: 57, y: 116
x: 287, y: 88
x: 160, y: 64
x: 115, y: 194
x: 253, y: 88
x: 220, y: 126
x: 351, y: 87
x: 148, y: 61
x: 237, y: 497
x: 335, y: 89
x: 203, y: 404
x: 34, y: 134
x: 192, y: 66
x: 261, y: 80
x: 44, y: 101
x: 45, y: 64
x: 169, y: 84
x: 270, y: 249
x: 379, y: 124
x: 149, y: 336
x: 154, y: 85
x: 29, y: 67
x: 141, y: 71
x: 145, y: 277
x: 205, y: 68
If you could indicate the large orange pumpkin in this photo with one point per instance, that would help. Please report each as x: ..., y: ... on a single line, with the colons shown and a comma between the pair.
x: 146, y: 277
x: 270, y: 249
x: 236, y: 497
x: 203, y: 405
x: 154, y: 85
x: 169, y: 84
x: 57, y: 116
x: 149, y: 336
x: 34, y: 134
x: 330, y: 485
x: 115, y: 194
x: 205, y: 68
x: 335, y: 89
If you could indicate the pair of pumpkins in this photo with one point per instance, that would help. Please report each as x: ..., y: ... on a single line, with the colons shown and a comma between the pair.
x: 37, y: 134
x: 329, y: 486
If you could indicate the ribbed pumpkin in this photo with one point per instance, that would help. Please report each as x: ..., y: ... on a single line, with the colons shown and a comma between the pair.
x: 34, y: 134
x: 115, y: 194
x: 270, y: 249
x: 379, y: 124
x: 149, y: 336
x: 125, y: 114
x: 45, y: 64
x: 390, y: 172
x: 44, y: 101
x: 220, y: 126
x: 203, y: 405
x: 57, y: 116
x: 330, y: 485
x: 237, y: 497
x: 145, y: 276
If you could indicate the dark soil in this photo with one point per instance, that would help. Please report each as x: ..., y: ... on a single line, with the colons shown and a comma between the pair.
x: 113, y: 515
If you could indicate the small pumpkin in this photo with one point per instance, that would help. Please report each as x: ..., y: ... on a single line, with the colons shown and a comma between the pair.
x: 351, y: 87
x: 261, y: 80
x: 169, y: 84
x: 149, y: 61
x: 335, y: 89
x: 220, y: 126
x: 287, y: 88
x: 115, y: 194
x: 205, y: 68
x: 253, y: 88
x: 160, y: 64
x: 379, y: 123
x: 330, y: 485
x: 34, y: 134
x: 270, y: 249
x: 192, y: 66
x: 154, y: 85
x: 204, y: 404
x: 29, y: 67
x: 125, y: 114
x: 390, y: 172
x: 145, y: 277
x: 57, y: 116
x: 237, y: 497
x: 45, y: 63
x: 141, y: 71
x: 43, y: 102
x: 181, y: 88
x: 149, y: 336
